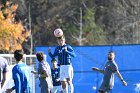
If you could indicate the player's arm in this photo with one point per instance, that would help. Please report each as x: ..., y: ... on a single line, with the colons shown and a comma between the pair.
x: 43, y: 75
x: 121, y: 78
x: 17, y: 84
x: 54, y: 54
x: 16, y: 79
x: 3, y: 79
x: 4, y: 74
x: 70, y: 51
x: 36, y: 73
x: 10, y: 89
x: 14, y: 75
x: 97, y: 70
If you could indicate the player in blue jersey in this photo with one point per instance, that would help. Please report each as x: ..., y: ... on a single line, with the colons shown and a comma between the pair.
x: 20, y: 73
x: 109, y: 70
x: 64, y: 53
x: 44, y: 73
x: 55, y: 72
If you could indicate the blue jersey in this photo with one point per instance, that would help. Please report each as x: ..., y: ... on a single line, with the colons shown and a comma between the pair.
x: 64, y: 57
x: 20, y: 74
x: 55, y: 75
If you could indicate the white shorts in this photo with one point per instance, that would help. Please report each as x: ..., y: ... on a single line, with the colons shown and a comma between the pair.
x: 66, y: 71
x: 56, y: 88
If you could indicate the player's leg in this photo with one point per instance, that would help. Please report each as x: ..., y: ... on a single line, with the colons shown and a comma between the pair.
x: 104, y: 90
x: 69, y: 79
x: 44, y: 86
x: 101, y: 91
x: 109, y: 91
x: 64, y: 87
x: 70, y: 86
x: 63, y: 79
x: 45, y: 90
x: 60, y: 89
x: 0, y: 84
x: 27, y: 90
x: 54, y: 90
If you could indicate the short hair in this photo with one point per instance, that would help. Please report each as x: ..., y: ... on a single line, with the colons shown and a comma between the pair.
x: 18, y: 54
x: 40, y: 56
x: 112, y: 52
x: 61, y: 37
x: 53, y: 59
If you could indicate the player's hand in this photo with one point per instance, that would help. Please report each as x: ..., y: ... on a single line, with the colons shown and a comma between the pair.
x: 9, y: 90
x: 34, y: 72
x: 124, y: 83
x: 95, y: 69
x: 65, y: 48
x: 49, y: 50
x: 57, y: 80
x: 58, y: 65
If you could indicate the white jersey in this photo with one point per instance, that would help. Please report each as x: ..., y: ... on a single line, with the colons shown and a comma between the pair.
x: 3, y: 66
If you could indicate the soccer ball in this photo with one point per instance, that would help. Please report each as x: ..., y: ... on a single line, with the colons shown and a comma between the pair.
x: 58, y: 32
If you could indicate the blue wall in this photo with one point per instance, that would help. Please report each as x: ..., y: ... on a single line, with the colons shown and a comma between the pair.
x: 87, y: 81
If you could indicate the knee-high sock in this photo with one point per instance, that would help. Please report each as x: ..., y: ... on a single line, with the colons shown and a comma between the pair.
x: 65, y: 90
x: 70, y: 88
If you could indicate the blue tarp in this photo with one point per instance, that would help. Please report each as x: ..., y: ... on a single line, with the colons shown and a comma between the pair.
x: 87, y: 81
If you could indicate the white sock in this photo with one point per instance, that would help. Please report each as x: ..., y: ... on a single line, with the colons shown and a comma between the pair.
x: 65, y: 90
x: 71, y: 88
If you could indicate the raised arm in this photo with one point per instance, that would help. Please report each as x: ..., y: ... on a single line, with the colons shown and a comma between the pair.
x: 54, y: 54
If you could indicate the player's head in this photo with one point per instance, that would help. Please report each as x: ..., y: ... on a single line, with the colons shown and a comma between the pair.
x: 40, y: 56
x: 54, y: 62
x: 61, y: 40
x: 18, y: 55
x: 111, y: 55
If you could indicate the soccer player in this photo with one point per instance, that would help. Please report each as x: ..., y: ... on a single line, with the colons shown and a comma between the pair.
x: 55, y: 72
x: 20, y: 73
x: 64, y: 53
x: 109, y: 70
x: 44, y: 73
x: 3, y: 71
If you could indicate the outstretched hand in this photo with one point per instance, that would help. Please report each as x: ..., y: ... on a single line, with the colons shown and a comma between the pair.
x: 49, y: 49
x: 124, y: 83
x: 34, y: 72
x: 65, y: 48
x: 95, y: 69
